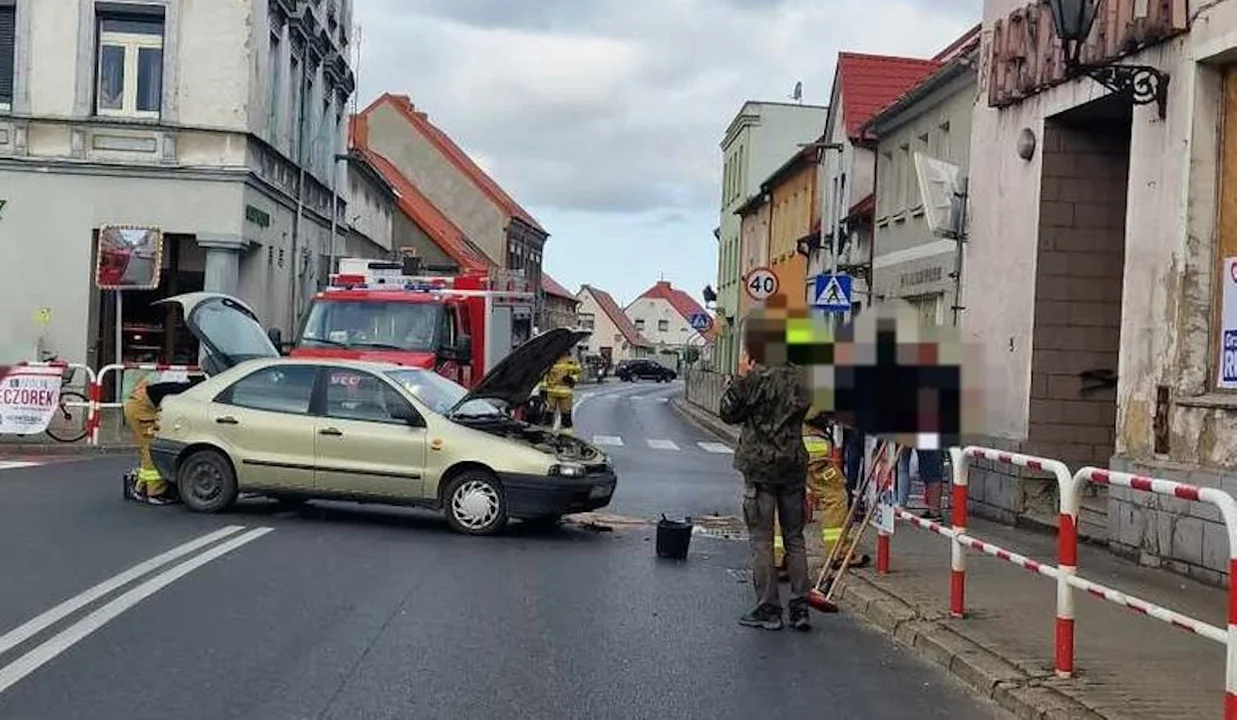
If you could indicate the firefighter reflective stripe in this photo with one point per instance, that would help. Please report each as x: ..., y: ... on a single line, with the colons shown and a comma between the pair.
x: 798, y: 331
x: 830, y: 535
x: 817, y: 447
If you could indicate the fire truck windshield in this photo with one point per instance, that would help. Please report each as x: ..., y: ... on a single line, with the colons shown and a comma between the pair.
x: 368, y: 324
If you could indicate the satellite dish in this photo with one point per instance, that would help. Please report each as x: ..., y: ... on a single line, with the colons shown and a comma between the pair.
x: 943, y: 190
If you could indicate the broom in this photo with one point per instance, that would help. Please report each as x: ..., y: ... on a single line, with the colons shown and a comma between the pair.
x: 824, y: 601
x: 815, y: 597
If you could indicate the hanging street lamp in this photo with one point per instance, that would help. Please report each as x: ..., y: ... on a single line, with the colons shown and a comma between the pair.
x: 1143, y: 85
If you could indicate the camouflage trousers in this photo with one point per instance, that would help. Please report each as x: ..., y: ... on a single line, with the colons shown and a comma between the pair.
x: 765, y: 506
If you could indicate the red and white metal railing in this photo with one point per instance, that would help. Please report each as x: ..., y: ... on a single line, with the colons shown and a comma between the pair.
x: 69, y: 368
x: 95, y: 421
x: 1065, y: 571
x: 1227, y: 508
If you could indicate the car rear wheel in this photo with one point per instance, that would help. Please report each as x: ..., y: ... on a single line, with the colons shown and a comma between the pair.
x: 206, y: 482
x: 475, y: 503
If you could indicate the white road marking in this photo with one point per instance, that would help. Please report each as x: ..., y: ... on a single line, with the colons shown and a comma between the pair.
x: 14, y: 464
x: 607, y: 440
x: 715, y: 447
x: 35, y: 625
x: 663, y: 445
x: 67, y: 638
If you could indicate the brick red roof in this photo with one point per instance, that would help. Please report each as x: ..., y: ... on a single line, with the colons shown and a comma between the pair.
x: 550, y: 286
x: 417, y: 207
x: 682, y: 303
x: 617, y: 316
x: 456, y: 155
x: 870, y: 82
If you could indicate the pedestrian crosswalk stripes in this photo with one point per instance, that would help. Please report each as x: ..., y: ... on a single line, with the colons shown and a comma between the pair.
x: 662, y: 444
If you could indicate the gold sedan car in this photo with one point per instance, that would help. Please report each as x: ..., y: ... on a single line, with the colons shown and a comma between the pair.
x: 305, y: 428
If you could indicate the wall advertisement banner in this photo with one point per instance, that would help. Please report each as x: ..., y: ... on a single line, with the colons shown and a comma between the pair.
x: 29, y: 398
x: 1227, y: 373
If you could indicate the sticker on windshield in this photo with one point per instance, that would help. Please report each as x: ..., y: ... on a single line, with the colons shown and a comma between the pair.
x: 345, y: 378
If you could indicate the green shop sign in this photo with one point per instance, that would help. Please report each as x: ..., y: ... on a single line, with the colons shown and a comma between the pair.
x: 252, y: 214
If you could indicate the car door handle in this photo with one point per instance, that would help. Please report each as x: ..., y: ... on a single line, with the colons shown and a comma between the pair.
x: 227, y: 420
x: 335, y: 432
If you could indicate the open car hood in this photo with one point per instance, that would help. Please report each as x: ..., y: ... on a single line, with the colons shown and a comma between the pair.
x: 512, y: 380
x: 227, y: 328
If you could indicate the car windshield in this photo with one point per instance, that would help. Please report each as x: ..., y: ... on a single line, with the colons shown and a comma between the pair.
x: 368, y: 324
x: 440, y: 394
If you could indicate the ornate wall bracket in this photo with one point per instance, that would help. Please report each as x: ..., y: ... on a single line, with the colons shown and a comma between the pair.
x: 1143, y: 85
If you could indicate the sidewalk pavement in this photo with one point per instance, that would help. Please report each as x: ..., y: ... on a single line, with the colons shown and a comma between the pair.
x: 1128, y: 665
x: 114, y: 437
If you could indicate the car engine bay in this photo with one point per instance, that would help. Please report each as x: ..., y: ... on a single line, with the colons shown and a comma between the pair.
x: 564, y: 447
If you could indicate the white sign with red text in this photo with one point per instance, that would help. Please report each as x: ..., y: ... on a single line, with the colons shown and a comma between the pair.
x: 29, y: 397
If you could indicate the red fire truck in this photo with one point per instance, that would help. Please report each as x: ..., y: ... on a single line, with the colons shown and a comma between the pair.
x: 457, y: 325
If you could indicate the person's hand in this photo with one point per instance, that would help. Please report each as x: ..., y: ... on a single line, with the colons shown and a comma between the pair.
x: 745, y: 364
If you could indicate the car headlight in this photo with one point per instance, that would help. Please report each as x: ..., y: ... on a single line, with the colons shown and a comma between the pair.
x: 567, y: 470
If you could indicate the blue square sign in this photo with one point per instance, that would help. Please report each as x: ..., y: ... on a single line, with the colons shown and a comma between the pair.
x: 1228, y: 358
x: 833, y: 292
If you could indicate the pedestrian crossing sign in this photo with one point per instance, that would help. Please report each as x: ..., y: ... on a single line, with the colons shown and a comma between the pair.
x: 833, y: 292
x: 700, y: 322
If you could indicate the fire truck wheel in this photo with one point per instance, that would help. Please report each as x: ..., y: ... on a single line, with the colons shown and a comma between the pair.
x: 475, y: 504
x: 206, y: 482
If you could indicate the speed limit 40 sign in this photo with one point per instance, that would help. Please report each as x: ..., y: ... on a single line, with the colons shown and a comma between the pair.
x: 761, y: 284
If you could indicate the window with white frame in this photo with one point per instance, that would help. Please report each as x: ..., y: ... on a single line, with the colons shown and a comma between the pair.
x: 130, y: 65
x: 8, y: 44
x: 640, y: 324
x: 586, y: 321
x: 663, y: 326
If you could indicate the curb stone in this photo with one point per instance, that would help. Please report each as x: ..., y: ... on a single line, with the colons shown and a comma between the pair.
x: 1020, y: 693
x: 64, y: 449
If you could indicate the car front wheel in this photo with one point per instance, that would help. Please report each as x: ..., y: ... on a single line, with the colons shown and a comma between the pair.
x: 206, y: 482
x: 475, y: 503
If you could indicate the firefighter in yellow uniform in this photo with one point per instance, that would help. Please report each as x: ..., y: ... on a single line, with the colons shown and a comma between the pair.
x: 559, y: 387
x: 141, y: 411
x: 141, y: 414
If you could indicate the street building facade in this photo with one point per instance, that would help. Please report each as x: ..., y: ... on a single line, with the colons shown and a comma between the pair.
x: 758, y: 140
x: 932, y: 118
x: 561, y: 307
x: 862, y: 86
x: 419, y: 227
x: 615, y: 337
x: 754, y: 228
x: 1100, y: 278
x: 371, y: 208
x: 429, y: 160
x: 794, y: 202
x: 662, y: 315
x: 216, y: 122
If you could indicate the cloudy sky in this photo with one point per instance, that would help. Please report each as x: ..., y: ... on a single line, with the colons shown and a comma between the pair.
x: 603, y: 117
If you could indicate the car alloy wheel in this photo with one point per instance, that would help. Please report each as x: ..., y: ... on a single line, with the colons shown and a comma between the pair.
x: 475, y: 504
x: 206, y: 482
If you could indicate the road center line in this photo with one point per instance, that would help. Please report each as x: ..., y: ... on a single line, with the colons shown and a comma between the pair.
x: 35, y: 625
x: 67, y: 638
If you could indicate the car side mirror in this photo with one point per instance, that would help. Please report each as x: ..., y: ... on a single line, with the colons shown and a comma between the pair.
x: 276, y: 337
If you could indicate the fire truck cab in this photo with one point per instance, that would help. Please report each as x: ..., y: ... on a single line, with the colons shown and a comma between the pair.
x: 457, y: 325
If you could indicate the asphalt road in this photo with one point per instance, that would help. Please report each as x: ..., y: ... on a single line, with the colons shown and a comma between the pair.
x: 339, y: 611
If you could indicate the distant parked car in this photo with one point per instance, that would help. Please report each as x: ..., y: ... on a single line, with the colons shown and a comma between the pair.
x: 632, y: 370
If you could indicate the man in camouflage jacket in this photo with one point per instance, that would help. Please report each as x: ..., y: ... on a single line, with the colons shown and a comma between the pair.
x: 770, y: 402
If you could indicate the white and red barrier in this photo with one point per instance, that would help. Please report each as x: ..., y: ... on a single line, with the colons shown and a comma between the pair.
x: 1224, y: 503
x: 92, y: 387
x: 95, y: 421
x: 1065, y: 572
